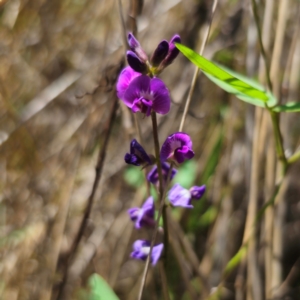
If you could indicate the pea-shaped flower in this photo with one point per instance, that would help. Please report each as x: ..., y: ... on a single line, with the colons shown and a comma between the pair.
x: 146, y: 94
x: 180, y: 196
x: 125, y: 77
x: 141, y: 249
x: 143, y: 216
x: 177, y: 147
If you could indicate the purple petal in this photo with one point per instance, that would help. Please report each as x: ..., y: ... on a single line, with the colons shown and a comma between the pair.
x: 173, y: 51
x: 180, y: 196
x: 133, y: 213
x: 135, y: 63
x: 161, y: 101
x: 183, y: 153
x: 160, y: 53
x: 178, y: 140
x: 126, y: 76
x: 149, y: 207
x: 156, y: 253
x: 138, y: 86
x: 132, y: 41
x: 197, y: 191
x: 141, y: 249
x: 153, y: 174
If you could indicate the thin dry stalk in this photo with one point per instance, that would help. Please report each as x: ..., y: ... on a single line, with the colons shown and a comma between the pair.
x: 275, y: 70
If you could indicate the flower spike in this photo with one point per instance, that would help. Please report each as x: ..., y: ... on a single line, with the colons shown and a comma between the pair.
x: 143, y: 216
x: 137, y: 156
x: 141, y: 249
x: 177, y: 147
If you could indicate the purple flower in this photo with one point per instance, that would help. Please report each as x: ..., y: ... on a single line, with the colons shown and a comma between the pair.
x: 126, y: 76
x: 143, y: 216
x: 177, y: 147
x: 153, y: 174
x: 141, y: 249
x: 137, y: 155
x: 136, y: 47
x: 180, y: 196
x: 145, y: 94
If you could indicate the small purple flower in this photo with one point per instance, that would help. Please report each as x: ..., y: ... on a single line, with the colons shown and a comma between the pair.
x: 177, y: 147
x: 136, y: 47
x: 143, y: 216
x: 145, y: 94
x: 180, y: 196
x: 137, y: 156
x: 125, y: 77
x: 141, y: 249
x: 153, y: 174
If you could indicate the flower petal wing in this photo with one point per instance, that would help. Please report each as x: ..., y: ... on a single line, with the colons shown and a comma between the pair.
x: 161, y: 95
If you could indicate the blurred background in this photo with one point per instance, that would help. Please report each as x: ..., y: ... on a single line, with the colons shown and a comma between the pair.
x: 59, y: 61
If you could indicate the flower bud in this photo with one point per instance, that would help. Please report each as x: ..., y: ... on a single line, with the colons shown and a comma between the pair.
x: 135, y: 63
x: 160, y: 53
x: 136, y: 47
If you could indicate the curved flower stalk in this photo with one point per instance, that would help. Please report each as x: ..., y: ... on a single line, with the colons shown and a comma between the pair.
x: 180, y: 196
x: 141, y: 249
x: 177, y: 147
x: 143, y: 216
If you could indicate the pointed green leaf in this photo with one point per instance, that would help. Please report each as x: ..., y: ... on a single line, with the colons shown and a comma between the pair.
x: 241, y: 86
x: 288, y: 107
x: 100, y: 290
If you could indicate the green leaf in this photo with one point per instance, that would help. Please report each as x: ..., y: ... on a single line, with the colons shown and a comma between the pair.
x: 242, y: 87
x: 288, y: 107
x: 100, y: 290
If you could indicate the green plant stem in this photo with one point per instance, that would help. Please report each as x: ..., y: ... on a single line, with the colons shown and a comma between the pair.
x: 295, y: 157
x: 161, y: 183
x: 279, y: 141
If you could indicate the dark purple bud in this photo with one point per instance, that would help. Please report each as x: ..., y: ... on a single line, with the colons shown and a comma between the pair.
x: 197, y: 191
x: 173, y: 52
x: 137, y: 155
x: 141, y: 250
x: 160, y: 53
x: 136, y: 47
x: 135, y: 63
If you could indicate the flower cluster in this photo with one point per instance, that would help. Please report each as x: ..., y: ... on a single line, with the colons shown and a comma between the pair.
x: 137, y: 84
x: 140, y: 89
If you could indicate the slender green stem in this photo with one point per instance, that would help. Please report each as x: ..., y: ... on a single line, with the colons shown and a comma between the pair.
x: 294, y: 158
x: 161, y: 184
x: 278, y: 140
